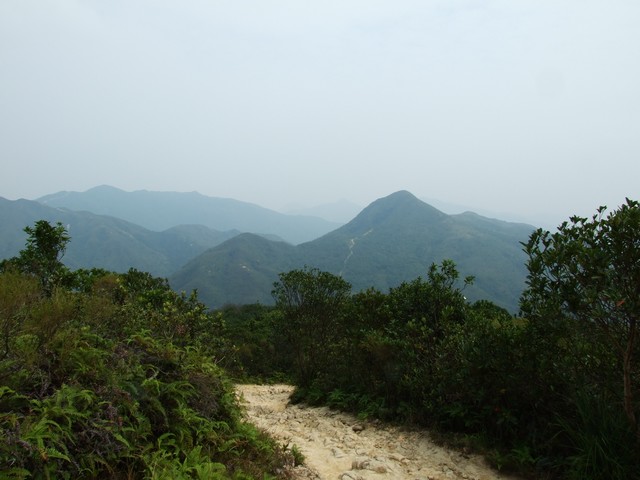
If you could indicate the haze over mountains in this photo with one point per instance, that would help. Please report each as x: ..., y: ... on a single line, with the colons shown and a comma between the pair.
x: 161, y: 210
x: 221, y: 255
x: 341, y: 211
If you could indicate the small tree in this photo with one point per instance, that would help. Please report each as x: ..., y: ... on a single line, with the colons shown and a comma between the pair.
x: 311, y: 303
x: 45, y: 247
x: 423, y: 311
x: 589, y: 272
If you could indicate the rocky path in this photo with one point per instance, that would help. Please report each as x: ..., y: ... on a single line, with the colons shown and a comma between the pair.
x: 337, y: 446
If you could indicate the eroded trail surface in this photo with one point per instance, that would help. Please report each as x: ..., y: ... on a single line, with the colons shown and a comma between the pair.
x: 338, y: 446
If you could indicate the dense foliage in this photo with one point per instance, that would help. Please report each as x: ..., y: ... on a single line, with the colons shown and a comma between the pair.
x: 552, y: 392
x: 584, y: 282
x: 114, y: 376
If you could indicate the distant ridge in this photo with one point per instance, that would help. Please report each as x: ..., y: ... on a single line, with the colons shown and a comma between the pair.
x: 392, y: 240
x: 102, y: 241
x: 162, y: 210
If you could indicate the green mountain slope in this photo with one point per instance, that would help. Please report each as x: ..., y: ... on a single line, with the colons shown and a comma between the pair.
x: 107, y: 242
x: 384, y: 245
x: 394, y: 239
x: 162, y: 210
x: 241, y: 270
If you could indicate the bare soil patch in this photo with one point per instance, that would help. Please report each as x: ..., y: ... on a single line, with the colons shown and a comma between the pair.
x: 338, y: 446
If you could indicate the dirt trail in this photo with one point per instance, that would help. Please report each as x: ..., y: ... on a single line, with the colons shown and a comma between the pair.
x: 338, y: 446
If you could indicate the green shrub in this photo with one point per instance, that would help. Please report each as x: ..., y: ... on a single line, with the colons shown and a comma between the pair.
x: 82, y: 399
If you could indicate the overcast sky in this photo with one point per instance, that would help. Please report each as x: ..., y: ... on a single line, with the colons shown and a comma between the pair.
x: 522, y: 107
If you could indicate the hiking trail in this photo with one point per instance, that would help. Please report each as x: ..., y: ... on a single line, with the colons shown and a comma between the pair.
x: 338, y: 446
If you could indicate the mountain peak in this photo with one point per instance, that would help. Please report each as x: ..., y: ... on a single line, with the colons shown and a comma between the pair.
x: 399, y: 207
x: 402, y: 198
x: 402, y: 194
x: 104, y: 188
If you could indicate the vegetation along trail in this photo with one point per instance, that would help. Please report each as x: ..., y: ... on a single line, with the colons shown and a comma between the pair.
x: 338, y: 446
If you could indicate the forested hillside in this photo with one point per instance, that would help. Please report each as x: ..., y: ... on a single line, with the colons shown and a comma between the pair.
x: 394, y: 239
x: 242, y: 270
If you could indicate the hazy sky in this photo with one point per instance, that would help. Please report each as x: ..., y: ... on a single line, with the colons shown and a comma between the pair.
x: 528, y: 107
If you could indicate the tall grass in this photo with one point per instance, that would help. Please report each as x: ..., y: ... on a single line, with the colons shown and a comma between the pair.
x: 599, y: 442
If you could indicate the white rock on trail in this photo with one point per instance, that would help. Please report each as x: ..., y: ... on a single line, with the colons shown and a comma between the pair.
x: 337, y: 446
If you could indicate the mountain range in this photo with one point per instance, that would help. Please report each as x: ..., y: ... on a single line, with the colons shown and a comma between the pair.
x: 159, y: 211
x: 392, y: 240
x: 107, y: 242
